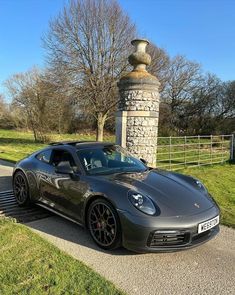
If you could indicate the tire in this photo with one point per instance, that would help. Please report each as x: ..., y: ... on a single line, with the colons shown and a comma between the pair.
x: 104, y: 224
x: 21, y: 189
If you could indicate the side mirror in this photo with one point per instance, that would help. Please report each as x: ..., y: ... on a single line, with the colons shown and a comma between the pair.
x: 144, y: 161
x: 64, y: 168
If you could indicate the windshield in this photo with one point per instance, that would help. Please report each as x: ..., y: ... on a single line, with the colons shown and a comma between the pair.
x: 108, y: 160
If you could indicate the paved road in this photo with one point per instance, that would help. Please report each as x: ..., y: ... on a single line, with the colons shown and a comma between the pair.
x: 5, y: 175
x: 208, y: 269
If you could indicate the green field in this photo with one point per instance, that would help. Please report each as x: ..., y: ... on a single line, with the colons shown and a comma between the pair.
x: 15, y: 145
x: 220, y: 182
x: 31, y: 265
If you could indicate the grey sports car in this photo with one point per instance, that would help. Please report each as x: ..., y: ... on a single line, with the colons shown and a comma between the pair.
x: 117, y: 197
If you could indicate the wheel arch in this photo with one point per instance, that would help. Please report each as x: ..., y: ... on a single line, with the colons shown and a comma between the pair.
x: 18, y: 169
x: 28, y: 201
x: 92, y: 199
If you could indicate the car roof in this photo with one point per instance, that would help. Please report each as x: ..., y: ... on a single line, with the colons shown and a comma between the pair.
x: 81, y: 144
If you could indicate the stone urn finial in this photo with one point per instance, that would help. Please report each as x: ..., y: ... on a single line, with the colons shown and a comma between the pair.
x: 139, y: 59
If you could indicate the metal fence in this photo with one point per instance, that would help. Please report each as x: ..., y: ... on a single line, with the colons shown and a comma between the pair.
x: 175, y: 153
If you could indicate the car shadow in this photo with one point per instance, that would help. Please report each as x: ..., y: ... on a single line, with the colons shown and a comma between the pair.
x: 6, y: 163
x: 5, y: 183
x: 10, y: 208
x: 63, y: 229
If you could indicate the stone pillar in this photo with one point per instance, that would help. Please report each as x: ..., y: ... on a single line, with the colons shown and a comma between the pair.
x: 137, y: 116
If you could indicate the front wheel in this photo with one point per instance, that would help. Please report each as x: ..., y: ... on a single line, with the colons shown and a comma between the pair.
x: 21, y: 189
x: 104, y: 225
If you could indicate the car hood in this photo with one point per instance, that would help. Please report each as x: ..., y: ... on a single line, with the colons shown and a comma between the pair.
x: 174, y: 194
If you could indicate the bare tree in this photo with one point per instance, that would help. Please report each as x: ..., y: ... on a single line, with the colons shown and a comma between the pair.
x: 227, y: 106
x: 5, y: 117
x: 160, y: 64
x: 30, y: 93
x: 183, y: 77
x: 196, y: 115
x: 60, y: 104
x: 2, y: 105
x: 211, y: 104
x: 89, y: 41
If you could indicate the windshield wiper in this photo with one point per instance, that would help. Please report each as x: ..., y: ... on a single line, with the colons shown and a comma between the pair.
x: 129, y: 172
x: 118, y: 171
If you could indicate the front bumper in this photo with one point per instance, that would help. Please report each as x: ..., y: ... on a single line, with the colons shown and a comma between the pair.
x: 140, y: 234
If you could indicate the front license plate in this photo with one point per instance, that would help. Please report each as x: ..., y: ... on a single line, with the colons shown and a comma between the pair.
x: 204, y: 226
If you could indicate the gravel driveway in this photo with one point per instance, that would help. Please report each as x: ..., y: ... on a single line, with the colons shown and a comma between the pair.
x: 208, y: 269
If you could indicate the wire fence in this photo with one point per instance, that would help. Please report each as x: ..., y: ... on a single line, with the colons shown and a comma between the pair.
x: 175, y: 153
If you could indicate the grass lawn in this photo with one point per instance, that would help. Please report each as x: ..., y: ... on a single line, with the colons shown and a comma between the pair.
x: 220, y: 181
x: 15, y: 145
x: 31, y: 265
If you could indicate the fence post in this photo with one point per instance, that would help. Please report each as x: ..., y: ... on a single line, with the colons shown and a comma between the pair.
x: 222, y: 148
x: 232, y: 147
x: 211, y: 148
x: 170, y: 152
x: 199, y: 146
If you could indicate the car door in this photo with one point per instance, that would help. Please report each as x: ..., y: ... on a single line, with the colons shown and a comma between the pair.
x: 44, y: 171
x: 64, y: 192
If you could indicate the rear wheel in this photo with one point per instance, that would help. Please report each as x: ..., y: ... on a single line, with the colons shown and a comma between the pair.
x: 104, y: 225
x: 21, y: 189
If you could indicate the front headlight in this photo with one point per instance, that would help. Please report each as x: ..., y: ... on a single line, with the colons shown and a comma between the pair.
x: 204, y: 189
x: 200, y: 185
x: 141, y: 202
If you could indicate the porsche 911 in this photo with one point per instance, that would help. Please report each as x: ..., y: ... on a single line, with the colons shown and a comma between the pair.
x: 117, y: 197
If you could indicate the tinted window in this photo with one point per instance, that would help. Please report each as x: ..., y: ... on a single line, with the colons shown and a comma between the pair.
x: 60, y: 156
x: 44, y: 156
x: 108, y: 160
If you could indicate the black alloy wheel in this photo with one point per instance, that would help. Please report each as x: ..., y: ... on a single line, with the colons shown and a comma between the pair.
x: 104, y: 224
x: 21, y: 189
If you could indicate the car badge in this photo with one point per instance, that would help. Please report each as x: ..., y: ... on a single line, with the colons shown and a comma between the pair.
x: 196, y: 205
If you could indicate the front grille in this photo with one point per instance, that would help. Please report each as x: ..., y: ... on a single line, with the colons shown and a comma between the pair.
x: 205, y: 235
x: 168, y: 238
x: 201, y: 235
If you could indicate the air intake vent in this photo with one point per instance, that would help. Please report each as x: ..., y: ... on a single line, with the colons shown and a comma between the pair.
x: 168, y: 238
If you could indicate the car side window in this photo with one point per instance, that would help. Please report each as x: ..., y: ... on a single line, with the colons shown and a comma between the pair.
x: 60, y: 156
x: 44, y: 156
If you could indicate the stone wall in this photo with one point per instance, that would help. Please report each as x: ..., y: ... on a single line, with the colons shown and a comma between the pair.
x: 139, y: 100
x: 141, y: 111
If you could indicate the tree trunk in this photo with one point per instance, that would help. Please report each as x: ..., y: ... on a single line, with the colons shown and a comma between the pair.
x: 31, y: 123
x: 59, y: 125
x: 100, y: 126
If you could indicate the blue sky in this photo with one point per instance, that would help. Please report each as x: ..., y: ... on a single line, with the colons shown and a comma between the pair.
x: 202, y: 30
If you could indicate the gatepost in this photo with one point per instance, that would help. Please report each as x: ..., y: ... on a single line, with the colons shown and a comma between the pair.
x: 138, y: 110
